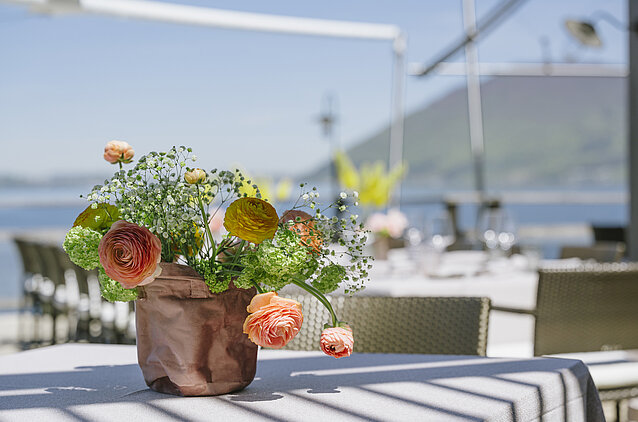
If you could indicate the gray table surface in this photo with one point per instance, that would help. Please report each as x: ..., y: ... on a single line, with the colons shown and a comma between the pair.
x: 81, y: 382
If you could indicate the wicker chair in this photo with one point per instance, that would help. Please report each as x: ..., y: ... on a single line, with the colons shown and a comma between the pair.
x: 31, y: 282
x: 432, y: 325
x: 600, y: 251
x: 53, y: 290
x: 590, y: 308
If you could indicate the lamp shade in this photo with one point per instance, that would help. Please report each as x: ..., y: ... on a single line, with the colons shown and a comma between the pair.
x: 584, y: 32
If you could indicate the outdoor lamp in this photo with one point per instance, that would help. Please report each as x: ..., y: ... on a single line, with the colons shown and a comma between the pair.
x: 585, y: 30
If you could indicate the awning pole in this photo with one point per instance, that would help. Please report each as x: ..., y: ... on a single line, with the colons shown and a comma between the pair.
x: 395, y: 156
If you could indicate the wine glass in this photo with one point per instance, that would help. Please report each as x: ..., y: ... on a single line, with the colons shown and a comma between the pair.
x: 497, y: 230
x: 439, y: 231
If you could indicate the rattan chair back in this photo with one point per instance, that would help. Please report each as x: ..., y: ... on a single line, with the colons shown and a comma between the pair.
x: 428, y: 325
x: 593, y: 307
x: 31, y: 263
x: 601, y: 252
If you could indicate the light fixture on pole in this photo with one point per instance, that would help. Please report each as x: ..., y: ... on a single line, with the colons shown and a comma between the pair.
x: 327, y: 119
x: 585, y: 30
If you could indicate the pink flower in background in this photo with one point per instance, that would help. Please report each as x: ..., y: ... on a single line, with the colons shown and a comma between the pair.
x: 130, y: 254
x: 118, y: 151
x: 337, y: 341
x: 216, y: 222
x: 391, y: 224
x: 273, y: 320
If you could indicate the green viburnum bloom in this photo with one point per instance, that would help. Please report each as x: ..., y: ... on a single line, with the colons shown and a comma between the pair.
x: 329, y: 278
x: 113, y: 291
x: 214, y: 278
x: 81, y: 244
x: 276, y: 261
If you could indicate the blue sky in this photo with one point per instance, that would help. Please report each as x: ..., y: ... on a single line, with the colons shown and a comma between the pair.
x: 69, y: 84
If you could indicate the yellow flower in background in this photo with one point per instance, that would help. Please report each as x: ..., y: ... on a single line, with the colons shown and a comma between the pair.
x: 346, y: 171
x: 373, y: 182
x: 269, y: 190
x: 283, y: 189
x: 251, y: 219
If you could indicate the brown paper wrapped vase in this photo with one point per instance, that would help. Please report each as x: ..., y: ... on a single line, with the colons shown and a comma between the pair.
x: 189, y: 340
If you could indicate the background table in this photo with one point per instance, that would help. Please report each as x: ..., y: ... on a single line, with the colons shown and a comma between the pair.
x: 104, y: 383
x: 508, y: 282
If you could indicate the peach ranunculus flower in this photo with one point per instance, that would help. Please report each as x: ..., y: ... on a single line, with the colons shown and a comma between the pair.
x: 195, y: 176
x: 305, y: 228
x: 251, y: 219
x: 118, y: 151
x: 130, y: 254
x: 337, y: 341
x: 273, y: 320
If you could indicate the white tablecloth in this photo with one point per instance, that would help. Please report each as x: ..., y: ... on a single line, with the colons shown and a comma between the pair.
x: 104, y: 383
x: 508, y: 282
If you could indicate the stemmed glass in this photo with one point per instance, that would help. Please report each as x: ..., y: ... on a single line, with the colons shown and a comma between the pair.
x: 439, y: 231
x: 497, y: 230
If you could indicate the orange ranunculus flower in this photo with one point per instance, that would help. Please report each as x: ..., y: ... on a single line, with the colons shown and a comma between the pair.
x: 273, y: 320
x: 130, y: 254
x: 251, y: 219
x: 116, y: 151
x: 337, y: 341
x: 305, y: 228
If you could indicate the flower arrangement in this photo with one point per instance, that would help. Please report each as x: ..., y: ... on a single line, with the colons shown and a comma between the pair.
x: 162, y: 210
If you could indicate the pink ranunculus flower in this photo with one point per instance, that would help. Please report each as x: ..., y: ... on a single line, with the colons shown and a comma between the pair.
x: 337, y: 341
x: 391, y: 224
x: 130, y: 254
x: 116, y: 151
x: 273, y: 320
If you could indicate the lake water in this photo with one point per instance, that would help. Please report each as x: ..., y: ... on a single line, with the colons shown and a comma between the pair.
x: 57, y: 208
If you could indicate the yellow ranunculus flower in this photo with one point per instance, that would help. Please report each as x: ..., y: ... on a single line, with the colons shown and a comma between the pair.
x: 251, y: 219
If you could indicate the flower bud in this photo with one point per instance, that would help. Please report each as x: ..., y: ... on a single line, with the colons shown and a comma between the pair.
x: 118, y: 151
x: 337, y: 341
x: 195, y: 176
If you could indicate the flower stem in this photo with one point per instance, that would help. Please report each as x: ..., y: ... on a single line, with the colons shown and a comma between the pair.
x: 320, y: 297
x: 205, y: 221
x: 258, y: 287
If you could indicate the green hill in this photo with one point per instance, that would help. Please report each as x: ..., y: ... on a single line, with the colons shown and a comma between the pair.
x: 540, y: 132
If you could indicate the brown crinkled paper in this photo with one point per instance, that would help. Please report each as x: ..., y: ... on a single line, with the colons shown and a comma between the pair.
x: 189, y: 340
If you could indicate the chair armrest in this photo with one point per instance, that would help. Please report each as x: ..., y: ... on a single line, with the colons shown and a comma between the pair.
x: 513, y: 310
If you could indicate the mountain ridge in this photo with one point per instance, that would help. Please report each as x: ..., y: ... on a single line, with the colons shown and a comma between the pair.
x: 539, y: 132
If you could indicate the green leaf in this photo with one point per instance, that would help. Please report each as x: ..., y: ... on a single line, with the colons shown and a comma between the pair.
x: 99, y: 218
